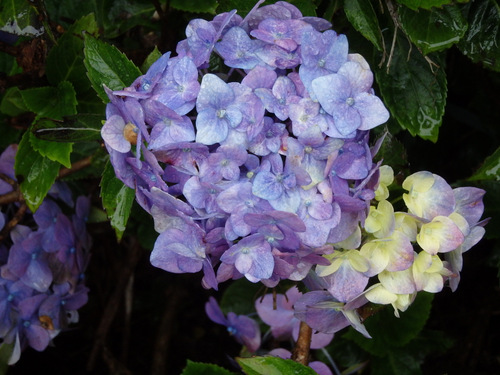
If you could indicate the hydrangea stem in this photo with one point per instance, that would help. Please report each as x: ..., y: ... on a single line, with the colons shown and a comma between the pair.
x: 303, y: 345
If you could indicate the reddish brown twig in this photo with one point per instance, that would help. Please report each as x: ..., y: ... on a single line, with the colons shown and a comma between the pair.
x: 303, y: 344
x: 113, y: 303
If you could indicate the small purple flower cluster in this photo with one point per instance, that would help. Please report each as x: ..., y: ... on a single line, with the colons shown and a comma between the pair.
x: 251, y: 167
x: 41, y: 266
x: 277, y: 311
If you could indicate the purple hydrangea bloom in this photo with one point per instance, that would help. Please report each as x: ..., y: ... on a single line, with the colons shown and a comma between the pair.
x: 346, y: 97
x: 217, y: 112
x: 244, y: 329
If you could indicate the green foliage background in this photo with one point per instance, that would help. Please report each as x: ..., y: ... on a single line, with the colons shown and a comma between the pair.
x: 436, y: 64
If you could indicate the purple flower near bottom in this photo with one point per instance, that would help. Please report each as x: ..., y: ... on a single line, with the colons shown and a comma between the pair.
x: 278, y: 313
x: 244, y: 329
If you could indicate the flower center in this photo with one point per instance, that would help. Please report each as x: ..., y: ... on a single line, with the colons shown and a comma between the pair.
x: 130, y: 133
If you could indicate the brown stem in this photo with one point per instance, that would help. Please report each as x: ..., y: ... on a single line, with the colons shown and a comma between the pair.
x: 303, y: 345
x: 113, y: 303
x: 14, y: 221
x: 76, y: 166
x: 165, y: 333
x: 13, y: 196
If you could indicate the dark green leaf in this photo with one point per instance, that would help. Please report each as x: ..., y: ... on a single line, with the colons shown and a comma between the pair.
x: 389, y: 332
x: 19, y: 17
x: 242, y: 6
x: 51, y: 102
x: 435, y: 29
x: 239, y: 297
x: 107, y: 66
x: 362, y: 16
x: 481, y: 41
x: 415, y: 95
x: 35, y: 172
x: 307, y: 7
x: 154, y: 55
x: 273, y: 366
x: 197, y: 368
x: 12, y: 103
x: 5, y: 354
x: 8, y: 64
x: 117, y: 200
x: 396, y: 362
x: 65, y: 60
x: 55, y: 151
x: 425, y: 4
x: 196, y: 6
x: 490, y: 170
x: 80, y: 128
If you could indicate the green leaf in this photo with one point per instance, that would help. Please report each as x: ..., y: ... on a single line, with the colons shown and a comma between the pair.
x: 239, y: 296
x: 480, y: 42
x: 80, y: 128
x: 35, y: 172
x: 435, y: 29
x: 396, y: 362
x: 65, y: 60
x: 490, y: 170
x: 122, y: 15
x: 273, y: 366
x: 195, y: 6
x: 389, y: 332
x: 55, y: 151
x: 65, y: 11
x: 242, y: 6
x: 8, y: 64
x: 12, y: 103
x: 5, y: 354
x: 307, y: 7
x: 154, y: 55
x: 198, y: 368
x: 19, y: 17
x: 362, y: 16
x: 107, y: 66
x: 415, y: 95
x: 51, y: 102
x: 425, y: 4
x: 117, y: 200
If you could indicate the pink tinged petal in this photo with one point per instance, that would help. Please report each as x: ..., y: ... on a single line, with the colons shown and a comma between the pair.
x: 440, y: 236
x: 377, y: 255
x: 429, y: 195
x: 346, y: 283
x: 402, y: 254
x: 469, y: 203
x: 472, y: 238
x: 400, y: 282
x: 317, y: 231
x: 321, y: 312
x: 278, y: 313
x: 260, y: 77
x: 320, y: 368
x: 112, y: 133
